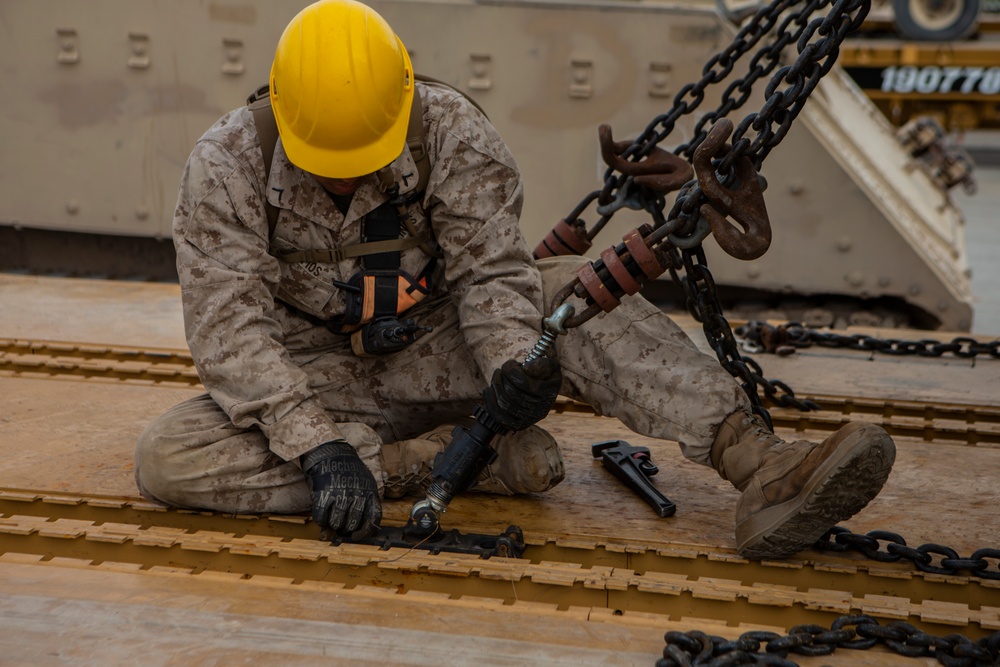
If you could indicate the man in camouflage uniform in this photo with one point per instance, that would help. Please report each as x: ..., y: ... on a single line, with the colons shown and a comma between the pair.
x: 297, y: 418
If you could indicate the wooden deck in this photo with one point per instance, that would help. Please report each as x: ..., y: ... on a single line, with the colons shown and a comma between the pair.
x: 604, y: 579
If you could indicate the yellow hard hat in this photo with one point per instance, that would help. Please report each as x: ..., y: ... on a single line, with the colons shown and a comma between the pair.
x: 341, y: 90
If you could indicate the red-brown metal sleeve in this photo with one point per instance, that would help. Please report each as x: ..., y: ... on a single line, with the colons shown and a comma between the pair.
x: 596, y: 288
x: 563, y: 239
x: 644, y: 258
x: 620, y: 273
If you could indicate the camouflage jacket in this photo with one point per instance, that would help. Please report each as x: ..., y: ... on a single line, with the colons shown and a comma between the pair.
x: 236, y: 292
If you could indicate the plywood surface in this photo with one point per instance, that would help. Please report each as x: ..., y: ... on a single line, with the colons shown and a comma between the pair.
x: 61, y: 614
x: 74, y: 436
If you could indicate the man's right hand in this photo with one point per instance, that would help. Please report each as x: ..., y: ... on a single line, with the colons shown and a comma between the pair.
x: 344, y: 493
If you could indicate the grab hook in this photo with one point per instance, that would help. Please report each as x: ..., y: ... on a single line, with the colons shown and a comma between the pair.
x: 660, y: 171
x: 744, y: 202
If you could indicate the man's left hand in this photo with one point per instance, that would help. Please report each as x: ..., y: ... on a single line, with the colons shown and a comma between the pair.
x: 519, y: 396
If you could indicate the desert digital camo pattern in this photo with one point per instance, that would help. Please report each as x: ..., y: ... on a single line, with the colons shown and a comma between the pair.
x: 282, y: 382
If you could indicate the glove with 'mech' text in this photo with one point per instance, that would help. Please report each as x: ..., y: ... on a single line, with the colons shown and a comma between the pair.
x: 521, y: 395
x: 344, y: 493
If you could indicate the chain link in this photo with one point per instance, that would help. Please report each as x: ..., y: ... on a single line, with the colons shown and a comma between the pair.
x: 765, y: 337
x: 858, y: 632
x: 703, y: 303
x: 818, y: 41
x: 679, y: 234
x: 780, y: 109
x: 924, y: 557
x: 697, y: 649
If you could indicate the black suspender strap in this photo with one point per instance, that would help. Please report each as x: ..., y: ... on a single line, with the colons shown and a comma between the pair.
x: 267, y: 131
x: 382, y: 224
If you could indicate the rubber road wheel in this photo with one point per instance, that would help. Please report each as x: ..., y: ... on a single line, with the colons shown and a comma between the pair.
x: 936, y: 20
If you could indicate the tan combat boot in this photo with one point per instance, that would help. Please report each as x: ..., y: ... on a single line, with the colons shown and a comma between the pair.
x: 793, y: 492
x: 528, y: 461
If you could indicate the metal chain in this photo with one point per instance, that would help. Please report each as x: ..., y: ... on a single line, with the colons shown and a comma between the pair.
x: 679, y: 234
x: 840, y: 539
x: 764, y: 337
x: 720, y: 66
x: 785, y: 94
x: 703, y: 303
x: 678, y: 237
x: 780, y: 108
x: 696, y: 649
x: 858, y: 632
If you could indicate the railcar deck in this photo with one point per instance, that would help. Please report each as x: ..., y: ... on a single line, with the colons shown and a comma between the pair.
x: 91, y: 573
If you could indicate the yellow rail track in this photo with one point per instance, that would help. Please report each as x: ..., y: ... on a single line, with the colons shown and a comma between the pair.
x: 672, y: 581
x: 942, y: 423
x: 67, y: 360
x: 635, y: 581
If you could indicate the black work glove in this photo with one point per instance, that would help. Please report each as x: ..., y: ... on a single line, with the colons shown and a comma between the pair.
x: 344, y: 493
x: 519, y: 396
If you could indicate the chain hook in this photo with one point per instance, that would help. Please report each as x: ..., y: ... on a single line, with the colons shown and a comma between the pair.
x: 744, y: 202
x: 660, y: 171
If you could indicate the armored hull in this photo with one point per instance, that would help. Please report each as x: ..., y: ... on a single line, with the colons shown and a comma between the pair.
x: 104, y: 101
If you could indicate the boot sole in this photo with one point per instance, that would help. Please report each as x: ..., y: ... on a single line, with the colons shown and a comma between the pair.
x: 838, y: 490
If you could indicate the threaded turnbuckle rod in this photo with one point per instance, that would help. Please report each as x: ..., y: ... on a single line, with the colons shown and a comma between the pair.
x: 554, y: 327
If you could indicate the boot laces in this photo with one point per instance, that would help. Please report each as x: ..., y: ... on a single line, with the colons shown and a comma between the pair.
x: 760, y: 430
x: 409, y: 481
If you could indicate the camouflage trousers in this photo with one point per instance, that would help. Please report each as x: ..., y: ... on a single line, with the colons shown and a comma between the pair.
x: 633, y: 363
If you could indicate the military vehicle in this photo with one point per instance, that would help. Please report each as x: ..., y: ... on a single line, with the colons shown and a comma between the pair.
x: 918, y: 58
x: 588, y: 573
x: 935, y: 20
x: 105, y: 100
